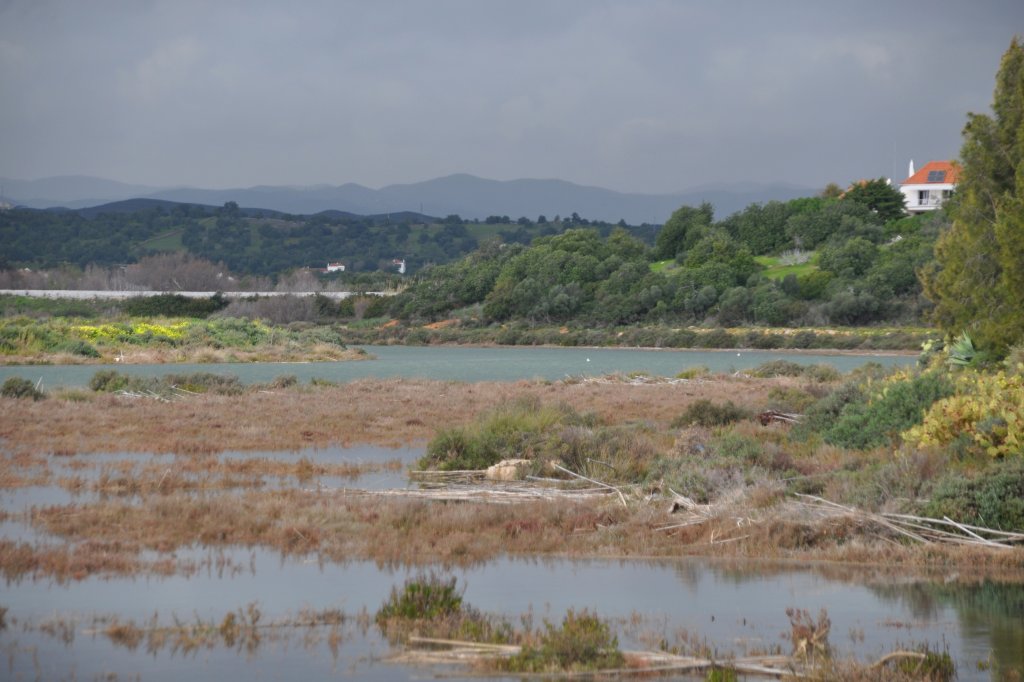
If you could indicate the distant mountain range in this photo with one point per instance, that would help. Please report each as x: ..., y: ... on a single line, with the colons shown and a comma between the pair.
x: 465, y: 195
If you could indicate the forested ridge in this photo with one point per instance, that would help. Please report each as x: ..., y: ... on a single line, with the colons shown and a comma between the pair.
x: 849, y: 259
x: 256, y: 242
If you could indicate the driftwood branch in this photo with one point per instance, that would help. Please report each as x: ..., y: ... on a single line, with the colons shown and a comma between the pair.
x: 921, y: 528
x: 622, y: 497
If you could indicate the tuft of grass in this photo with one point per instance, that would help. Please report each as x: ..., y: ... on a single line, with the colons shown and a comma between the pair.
x: 708, y: 414
x: 694, y: 372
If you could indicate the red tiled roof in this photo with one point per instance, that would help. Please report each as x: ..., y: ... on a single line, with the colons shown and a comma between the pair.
x: 921, y: 176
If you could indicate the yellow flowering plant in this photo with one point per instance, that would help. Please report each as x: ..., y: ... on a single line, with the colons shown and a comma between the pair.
x: 986, y: 413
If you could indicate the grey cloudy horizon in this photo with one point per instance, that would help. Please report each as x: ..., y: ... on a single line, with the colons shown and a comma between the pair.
x: 653, y: 96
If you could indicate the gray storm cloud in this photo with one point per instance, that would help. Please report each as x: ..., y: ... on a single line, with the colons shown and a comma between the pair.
x: 649, y: 97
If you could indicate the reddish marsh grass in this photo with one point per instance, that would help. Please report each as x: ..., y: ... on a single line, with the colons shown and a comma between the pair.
x: 414, y: 532
x: 383, y: 412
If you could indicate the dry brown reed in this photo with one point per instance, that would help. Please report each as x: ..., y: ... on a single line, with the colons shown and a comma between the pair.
x: 341, y: 526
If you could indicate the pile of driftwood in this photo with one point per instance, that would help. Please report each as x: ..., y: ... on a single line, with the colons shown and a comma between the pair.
x: 430, y: 651
x: 811, y: 508
x: 918, y: 528
x: 473, y: 485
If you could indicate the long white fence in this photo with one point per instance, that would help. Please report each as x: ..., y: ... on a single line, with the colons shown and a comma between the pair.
x: 120, y: 295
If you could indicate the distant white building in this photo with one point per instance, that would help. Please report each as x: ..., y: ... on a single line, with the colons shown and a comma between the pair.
x: 400, y: 264
x: 926, y: 189
x: 335, y: 267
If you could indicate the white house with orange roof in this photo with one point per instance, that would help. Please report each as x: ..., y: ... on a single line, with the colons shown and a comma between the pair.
x: 926, y: 189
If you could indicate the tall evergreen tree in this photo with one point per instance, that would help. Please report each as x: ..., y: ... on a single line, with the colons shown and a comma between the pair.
x: 977, y: 279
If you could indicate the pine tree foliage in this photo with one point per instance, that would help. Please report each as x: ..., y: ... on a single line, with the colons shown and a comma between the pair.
x: 977, y: 279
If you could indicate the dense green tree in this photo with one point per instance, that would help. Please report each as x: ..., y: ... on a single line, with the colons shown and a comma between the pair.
x: 886, y: 201
x: 977, y: 281
x: 849, y: 260
x: 833, y: 220
x: 682, y: 230
x: 716, y: 246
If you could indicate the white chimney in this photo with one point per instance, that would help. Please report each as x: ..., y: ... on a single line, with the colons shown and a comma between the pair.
x: 910, y: 173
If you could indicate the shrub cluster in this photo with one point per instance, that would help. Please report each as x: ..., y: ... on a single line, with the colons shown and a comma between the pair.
x: 582, y: 642
x: 111, y: 381
x: 174, y: 305
x: 17, y: 387
x: 992, y: 499
x: 899, y: 404
x: 984, y: 417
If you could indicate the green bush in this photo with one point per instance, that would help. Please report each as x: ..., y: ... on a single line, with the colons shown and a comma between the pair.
x: 784, y: 399
x: 821, y: 373
x: 83, y: 348
x: 174, y: 305
x: 421, y: 598
x: 823, y: 414
x: 108, y: 381
x: 516, y: 429
x: 17, y: 387
x: 111, y: 381
x: 582, y: 642
x: 706, y: 413
x: 778, y: 368
x: 993, y: 499
x: 902, y: 404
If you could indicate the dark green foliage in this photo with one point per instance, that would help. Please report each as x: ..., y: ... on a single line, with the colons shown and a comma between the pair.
x: 884, y: 199
x: 83, y: 348
x: 582, y: 642
x: 902, y: 404
x: 17, y: 387
x: 977, y: 278
x: 822, y: 415
x: 837, y: 220
x: 852, y: 308
x: 682, y: 230
x: 11, y: 305
x: 421, y: 598
x: 992, y: 499
x: 848, y: 260
x: 174, y: 305
x: 707, y: 413
x: 762, y: 228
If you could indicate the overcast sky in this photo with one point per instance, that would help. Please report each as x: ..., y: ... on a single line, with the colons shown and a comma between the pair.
x: 644, y: 96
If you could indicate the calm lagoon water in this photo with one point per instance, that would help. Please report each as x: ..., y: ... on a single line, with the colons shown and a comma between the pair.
x: 459, y: 363
x: 736, y: 607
